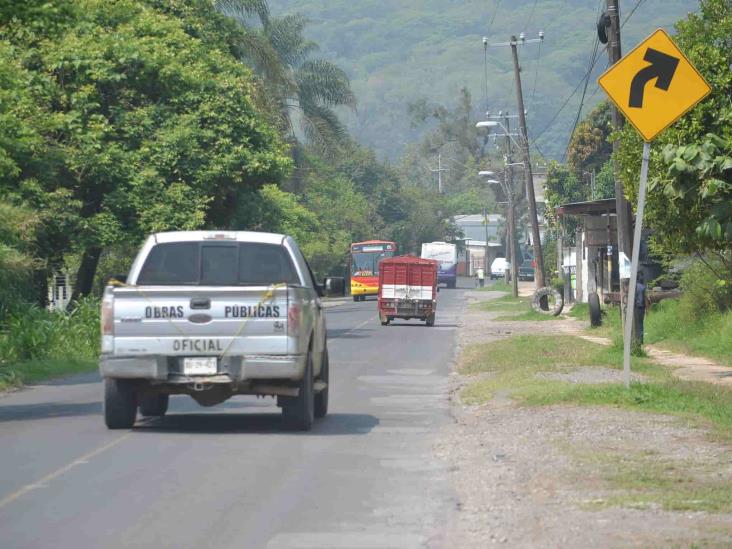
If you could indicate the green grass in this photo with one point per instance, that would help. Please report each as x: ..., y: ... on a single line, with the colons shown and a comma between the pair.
x: 37, y: 344
x: 665, y: 326
x: 33, y: 371
x: 497, y: 286
x: 518, y: 307
x: 646, y: 478
x: 510, y: 365
x: 580, y: 311
x: 504, y: 303
x: 709, y: 337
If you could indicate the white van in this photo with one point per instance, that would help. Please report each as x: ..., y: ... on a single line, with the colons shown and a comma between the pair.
x: 499, y: 267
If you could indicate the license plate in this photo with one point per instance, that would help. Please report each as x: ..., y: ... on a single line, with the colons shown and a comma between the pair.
x: 199, y: 366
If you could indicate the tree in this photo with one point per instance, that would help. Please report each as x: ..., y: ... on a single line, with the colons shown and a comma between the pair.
x: 690, y: 173
x: 146, y: 128
x: 589, y: 148
x: 306, y: 90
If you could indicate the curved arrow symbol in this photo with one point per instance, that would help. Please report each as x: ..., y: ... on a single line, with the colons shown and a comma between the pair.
x: 662, y: 67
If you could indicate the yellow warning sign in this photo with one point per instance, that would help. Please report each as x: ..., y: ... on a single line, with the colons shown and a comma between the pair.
x: 654, y: 85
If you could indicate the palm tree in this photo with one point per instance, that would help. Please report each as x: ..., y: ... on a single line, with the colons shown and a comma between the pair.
x: 306, y: 90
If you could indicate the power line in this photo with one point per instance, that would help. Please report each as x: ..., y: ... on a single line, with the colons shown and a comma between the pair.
x: 569, y: 98
x: 587, y: 81
x: 593, y: 60
x: 493, y: 18
x: 536, y: 76
x: 631, y: 12
x: 531, y: 15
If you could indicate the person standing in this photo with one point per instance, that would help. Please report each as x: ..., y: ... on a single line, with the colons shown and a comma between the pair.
x: 641, y: 301
x: 480, y: 275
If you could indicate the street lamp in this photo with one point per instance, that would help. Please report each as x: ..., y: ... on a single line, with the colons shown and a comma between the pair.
x: 539, y: 280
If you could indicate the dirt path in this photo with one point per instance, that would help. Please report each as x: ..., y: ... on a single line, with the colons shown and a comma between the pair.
x: 553, y: 476
x: 686, y: 367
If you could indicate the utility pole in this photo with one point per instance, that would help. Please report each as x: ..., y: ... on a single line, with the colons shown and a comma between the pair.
x: 508, y: 175
x: 439, y: 171
x: 486, y: 267
x: 524, y: 140
x: 622, y: 206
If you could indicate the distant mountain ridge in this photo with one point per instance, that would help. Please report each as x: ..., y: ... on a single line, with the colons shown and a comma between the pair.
x: 398, y: 51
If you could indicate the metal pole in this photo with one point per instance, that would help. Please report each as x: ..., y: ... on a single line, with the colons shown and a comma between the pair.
x: 524, y: 138
x: 628, y: 335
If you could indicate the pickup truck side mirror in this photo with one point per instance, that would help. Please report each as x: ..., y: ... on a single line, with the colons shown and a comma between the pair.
x: 334, y: 286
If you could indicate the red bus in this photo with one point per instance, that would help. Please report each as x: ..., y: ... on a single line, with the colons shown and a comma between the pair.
x: 364, y: 262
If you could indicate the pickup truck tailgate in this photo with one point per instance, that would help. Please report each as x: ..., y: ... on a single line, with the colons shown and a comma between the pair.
x: 201, y: 320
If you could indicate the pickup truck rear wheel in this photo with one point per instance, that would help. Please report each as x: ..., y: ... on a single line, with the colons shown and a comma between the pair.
x: 298, y: 413
x: 120, y: 403
x: 154, y: 405
x: 321, y: 398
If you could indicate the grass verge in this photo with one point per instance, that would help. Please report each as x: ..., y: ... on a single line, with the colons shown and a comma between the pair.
x: 518, y: 307
x: 647, y: 478
x: 497, y: 286
x: 665, y: 326
x: 633, y: 478
x: 710, y: 336
x: 32, y: 371
x: 512, y: 365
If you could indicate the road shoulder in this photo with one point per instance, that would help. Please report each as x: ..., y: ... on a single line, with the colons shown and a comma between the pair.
x: 571, y: 475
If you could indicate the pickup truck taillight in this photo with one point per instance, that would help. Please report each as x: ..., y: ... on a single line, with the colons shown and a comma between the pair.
x: 107, y: 321
x: 293, y: 320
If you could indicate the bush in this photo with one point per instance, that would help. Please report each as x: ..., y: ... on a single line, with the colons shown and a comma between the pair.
x: 706, y: 289
x: 34, y: 333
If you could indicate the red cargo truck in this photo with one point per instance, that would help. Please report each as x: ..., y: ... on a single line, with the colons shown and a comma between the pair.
x: 407, y: 289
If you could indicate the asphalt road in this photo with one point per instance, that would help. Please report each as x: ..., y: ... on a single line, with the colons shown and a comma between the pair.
x: 230, y: 476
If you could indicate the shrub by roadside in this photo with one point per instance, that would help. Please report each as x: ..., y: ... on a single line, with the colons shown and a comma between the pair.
x: 36, y: 343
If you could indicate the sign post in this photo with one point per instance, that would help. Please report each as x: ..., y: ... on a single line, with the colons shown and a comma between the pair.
x: 650, y: 108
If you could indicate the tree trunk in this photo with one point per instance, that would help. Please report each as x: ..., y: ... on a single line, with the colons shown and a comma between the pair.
x: 85, y: 274
x: 40, y: 286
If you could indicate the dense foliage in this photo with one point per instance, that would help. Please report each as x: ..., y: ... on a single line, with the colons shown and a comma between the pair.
x: 690, y: 176
x: 129, y: 125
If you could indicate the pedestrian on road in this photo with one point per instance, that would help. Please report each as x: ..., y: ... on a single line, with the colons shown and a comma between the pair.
x: 480, y: 276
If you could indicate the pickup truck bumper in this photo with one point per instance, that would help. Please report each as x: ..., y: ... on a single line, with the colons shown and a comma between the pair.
x: 236, y: 368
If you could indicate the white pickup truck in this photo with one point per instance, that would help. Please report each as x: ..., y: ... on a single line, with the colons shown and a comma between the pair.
x: 214, y: 314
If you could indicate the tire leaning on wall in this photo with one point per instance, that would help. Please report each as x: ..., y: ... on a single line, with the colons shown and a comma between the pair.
x: 547, y: 292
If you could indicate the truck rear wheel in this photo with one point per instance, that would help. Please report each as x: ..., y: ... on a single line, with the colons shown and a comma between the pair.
x: 120, y: 403
x: 321, y: 397
x: 431, y: 320
x: 298, y: 413
x: 154, y: 405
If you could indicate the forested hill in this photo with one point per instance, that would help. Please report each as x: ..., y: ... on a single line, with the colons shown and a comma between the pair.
x: 398, y: 51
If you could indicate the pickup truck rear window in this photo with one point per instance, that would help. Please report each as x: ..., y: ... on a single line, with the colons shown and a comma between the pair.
x: 217, y: 264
